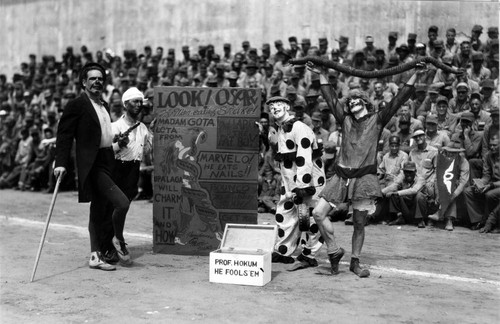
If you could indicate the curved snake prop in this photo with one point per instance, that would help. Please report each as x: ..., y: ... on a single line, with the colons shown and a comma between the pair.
x: 374, y: 74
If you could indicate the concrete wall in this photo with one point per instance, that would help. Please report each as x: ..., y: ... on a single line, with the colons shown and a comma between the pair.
x: 48, y: 26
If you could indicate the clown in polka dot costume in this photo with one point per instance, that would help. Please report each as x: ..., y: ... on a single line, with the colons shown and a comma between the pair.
x: 303, y: 178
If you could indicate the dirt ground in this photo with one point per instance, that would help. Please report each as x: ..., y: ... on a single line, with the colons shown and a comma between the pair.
x: 417, y: 276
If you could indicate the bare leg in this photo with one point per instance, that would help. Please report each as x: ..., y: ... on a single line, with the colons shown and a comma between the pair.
x: 358, y: 235
x: 325, y: 226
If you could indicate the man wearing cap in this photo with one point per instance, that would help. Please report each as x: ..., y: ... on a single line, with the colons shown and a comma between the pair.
x: 296, y: 84
x: 490, y: 131
x: 484, y: 195
x: 391, y: 47
x: 356, y: 169
x: 460, y: 102
x: 87, y: 120
x: 305, y: 44
x: 345, y: 51
x: 412, y: 41
x: 442, y: 76
x: 340, y: 87
x: 476, y: 43
x: 422, y: 151
x: 402, y: 194
x: 478, y: 72
x: 321, y: 133
x: 129, y: 151
x: 446, y: 122
x: 471, y: 138
x: 490, y: 98
x: 299, y: 156
x: 294, y: 97
x: 369, y: 49
x: 391, y: 166
x: 433, y: 136
x: 380, y: 61
x: 227, y: 57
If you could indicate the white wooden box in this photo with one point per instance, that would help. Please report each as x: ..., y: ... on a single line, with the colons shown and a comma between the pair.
x: 244, y: 257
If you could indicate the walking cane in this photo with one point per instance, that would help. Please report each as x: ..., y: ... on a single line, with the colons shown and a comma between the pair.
x: 52, y: 203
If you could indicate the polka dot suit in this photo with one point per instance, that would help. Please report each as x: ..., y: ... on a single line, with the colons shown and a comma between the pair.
x: 301, y: 170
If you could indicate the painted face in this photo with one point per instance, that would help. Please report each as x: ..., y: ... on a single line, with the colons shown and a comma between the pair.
x: 356, y: 105
x: 94, y: 82
x: 279, y: 109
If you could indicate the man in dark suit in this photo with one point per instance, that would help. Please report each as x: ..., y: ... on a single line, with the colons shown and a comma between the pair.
x: 86, y: 119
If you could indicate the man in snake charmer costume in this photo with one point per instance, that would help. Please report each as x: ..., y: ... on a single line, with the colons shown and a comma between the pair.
x: 303, y: 178
x: 355, y: 176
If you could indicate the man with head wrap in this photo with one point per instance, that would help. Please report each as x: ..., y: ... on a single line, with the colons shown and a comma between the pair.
x: 132, y: 140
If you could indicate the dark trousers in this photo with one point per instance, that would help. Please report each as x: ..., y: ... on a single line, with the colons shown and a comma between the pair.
x: 405, y: 205
x: 479, y: 206
x: 126, y: 176
x: 104, y: 191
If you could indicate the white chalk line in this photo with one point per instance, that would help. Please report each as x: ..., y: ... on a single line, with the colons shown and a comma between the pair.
x: 73, y: 228
x: 149, y: 238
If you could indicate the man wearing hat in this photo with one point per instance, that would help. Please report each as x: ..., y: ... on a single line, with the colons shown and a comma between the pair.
x: 483, y: 197
x: 369, y: 49
x: 490, y: 98
x: 391, y: 47
x: 412, y: 41
x: 446, y: 122
x: 87, y: 120
x: 356, y: 169
x: 402, y: 194
x: 476, y: 43
x: 305, y: 44
x: 132, y: 140
x: 321, y: 133
x: 433, y: 136
x: 345, y: 52
x: 490, y: 131
x: 299, y: 157
x: 391, y: 166
x: 421, y: 150
x: 460, y: 102
x: 443, y: 76
x: 450, y: 188
x: 471, y: 138
x: 478, y: 72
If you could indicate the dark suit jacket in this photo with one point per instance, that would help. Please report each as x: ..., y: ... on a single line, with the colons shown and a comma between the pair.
x: 79, y: 121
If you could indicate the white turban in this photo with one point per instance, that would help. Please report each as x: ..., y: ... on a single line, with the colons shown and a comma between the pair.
x: 132, y: 93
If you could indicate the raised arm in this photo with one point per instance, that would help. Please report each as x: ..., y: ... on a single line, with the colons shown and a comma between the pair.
x: 329, y: 93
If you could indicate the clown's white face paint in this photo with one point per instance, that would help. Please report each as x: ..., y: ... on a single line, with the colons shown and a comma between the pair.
x: 356, y: 105
x: 279, y: 110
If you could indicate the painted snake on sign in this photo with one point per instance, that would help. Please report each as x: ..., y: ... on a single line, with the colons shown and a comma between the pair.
x: 375, y: 74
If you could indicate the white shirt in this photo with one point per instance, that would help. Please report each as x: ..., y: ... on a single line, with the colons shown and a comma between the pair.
x: 140, y: 139
x: 105, y: 122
